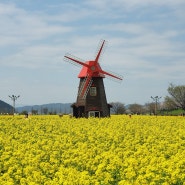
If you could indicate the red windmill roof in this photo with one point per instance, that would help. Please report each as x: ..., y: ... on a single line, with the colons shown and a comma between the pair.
x: 85, y: 70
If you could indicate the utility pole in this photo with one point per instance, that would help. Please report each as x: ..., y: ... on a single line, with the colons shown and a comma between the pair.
x: 14, y: 98
x: 156, y: 100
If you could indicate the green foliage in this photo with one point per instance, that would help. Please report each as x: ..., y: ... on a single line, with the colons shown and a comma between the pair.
x: 175, y: 112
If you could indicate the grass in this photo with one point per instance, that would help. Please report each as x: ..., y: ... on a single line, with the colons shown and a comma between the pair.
x: 176, y: 112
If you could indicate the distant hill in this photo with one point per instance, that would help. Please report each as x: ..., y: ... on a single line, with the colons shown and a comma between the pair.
x: 64, y: 108
x: 5, y: 108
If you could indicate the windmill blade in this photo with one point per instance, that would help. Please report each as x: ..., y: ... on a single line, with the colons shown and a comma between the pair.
x: 100, y: 50
x: 74, y: 60
x: 112, y: 75
x: 85, y: 87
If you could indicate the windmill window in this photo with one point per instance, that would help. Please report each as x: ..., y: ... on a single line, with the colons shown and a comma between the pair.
x: 94, y: 114
x: 93, y: 91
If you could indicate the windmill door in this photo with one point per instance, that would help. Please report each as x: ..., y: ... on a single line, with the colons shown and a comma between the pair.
x: 94, y: 114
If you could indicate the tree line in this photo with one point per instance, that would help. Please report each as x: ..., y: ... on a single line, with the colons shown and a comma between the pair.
x: 175, y: 100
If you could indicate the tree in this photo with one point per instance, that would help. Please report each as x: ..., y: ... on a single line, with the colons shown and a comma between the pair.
x: 151, y: 107
x: 177, y: 96
x: 169, y: 104
x: 136, y: 108
x: 34, y: 112
x: 118, y: 108
x: 24, y: 112
x: 45, y: 110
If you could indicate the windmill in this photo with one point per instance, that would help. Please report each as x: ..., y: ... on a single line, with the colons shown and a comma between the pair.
x: 91, y: 98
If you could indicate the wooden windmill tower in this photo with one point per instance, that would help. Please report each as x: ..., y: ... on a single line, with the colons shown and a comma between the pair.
x: 91, y: 98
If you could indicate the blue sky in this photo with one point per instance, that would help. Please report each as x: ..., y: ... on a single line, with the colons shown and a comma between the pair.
x: 145, y: 44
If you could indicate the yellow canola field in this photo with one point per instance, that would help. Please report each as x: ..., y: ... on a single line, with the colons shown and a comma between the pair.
x: 49, y: 150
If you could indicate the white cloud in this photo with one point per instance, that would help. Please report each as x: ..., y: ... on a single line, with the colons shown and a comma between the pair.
x: 145, y: 43
x: 134, y: 3
x: 19, y: 27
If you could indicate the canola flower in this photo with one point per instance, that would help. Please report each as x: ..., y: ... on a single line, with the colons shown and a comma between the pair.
x: 48, y: 150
